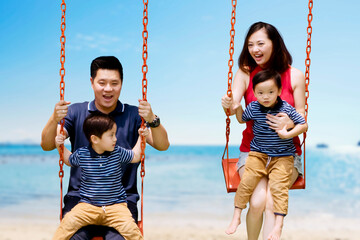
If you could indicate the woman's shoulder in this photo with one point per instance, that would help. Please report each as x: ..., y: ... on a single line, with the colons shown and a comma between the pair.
x: 297, y: 76
x: 296, y: 73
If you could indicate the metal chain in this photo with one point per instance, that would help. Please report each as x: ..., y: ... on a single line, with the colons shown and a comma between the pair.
x: 62, y: 92
x: 308, y: 61
x: 144, y: 95
x: 307, y: 76
x: 230, y: 73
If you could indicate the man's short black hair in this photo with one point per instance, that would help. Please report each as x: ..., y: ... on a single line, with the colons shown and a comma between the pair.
x: 106, y: 62
x: 96, y: 124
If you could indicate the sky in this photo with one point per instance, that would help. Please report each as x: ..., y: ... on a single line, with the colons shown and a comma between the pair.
x: 188, y: 52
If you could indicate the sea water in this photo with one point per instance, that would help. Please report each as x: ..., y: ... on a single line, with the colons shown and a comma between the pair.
x: 187, y: 178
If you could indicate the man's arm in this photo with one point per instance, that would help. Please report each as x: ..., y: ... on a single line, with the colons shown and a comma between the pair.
x: 50, y: 130
x: 157, y: 137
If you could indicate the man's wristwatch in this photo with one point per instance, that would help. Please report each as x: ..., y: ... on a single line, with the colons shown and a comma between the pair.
x: 155, y: 123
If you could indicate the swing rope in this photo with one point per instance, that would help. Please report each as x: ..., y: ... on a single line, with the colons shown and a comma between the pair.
x: 62, y: 92
x: 144, y: 94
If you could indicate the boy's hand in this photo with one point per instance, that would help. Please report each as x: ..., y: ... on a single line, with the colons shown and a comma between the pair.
x: 283, y: 133
x: 144, y: 131
x: 59, y: 139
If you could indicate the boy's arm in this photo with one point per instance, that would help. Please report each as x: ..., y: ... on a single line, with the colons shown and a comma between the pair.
x: 137, y: 148
x: 137, y: 151
x: 58, y: 141
x: 239, y: 113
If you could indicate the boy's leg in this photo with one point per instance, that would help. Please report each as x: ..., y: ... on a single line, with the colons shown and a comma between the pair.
x: 254, y: 171
x: 119, y: 217
x: 275, y: 234
x: 280, y: 171
x: 81, y: 215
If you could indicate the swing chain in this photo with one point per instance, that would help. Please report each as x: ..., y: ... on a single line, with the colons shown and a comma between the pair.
x: 62, y: 92
x: 230, y: 73
x: 144, y: 95
x: 144, y: 80
x: 308, y: 61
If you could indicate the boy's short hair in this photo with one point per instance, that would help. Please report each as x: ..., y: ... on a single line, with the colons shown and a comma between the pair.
x: 265, y: 75
x: 106, y: 62
x: 96, y: 124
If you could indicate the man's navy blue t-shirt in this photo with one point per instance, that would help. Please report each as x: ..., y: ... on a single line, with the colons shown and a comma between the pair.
x: 128, y: 122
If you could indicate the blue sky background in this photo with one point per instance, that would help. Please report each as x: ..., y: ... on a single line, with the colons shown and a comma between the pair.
x: 188, y: 54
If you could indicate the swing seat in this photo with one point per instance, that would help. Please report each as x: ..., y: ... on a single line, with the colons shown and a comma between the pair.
x: 232, y: 178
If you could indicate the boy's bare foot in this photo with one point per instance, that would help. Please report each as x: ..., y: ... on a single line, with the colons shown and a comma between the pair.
x: 276, y: 232
x: 235, y: 222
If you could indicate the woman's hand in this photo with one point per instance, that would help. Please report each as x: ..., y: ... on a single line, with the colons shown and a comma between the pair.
x: 226, y: 101
x: 279, y: 121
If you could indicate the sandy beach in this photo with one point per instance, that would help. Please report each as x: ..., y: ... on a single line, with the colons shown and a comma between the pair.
x: 39, y: 223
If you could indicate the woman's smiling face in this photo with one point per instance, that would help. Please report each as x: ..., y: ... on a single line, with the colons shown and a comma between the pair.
x: 260, y: 48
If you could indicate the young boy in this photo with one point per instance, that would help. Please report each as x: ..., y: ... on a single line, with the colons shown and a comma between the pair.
x: 103, y: 198
x: 271, y: 153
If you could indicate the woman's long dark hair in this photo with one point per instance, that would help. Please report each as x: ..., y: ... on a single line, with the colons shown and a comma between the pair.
x: 280, y: 57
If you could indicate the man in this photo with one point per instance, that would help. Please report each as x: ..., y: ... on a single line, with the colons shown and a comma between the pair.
x: 106, y: 82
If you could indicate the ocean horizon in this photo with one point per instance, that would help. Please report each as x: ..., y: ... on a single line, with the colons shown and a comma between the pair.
x: 186, y: 178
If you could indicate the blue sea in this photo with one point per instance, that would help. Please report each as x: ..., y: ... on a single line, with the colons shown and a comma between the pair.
x: 188, y: 178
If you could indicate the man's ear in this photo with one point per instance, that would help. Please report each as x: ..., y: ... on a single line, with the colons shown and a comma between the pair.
x: 280, y: 91
x: 92, y: 82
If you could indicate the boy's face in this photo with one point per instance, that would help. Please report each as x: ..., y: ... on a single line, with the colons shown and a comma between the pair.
x: 267, y: 92
x: 107, y: 141
x: 107, y: 87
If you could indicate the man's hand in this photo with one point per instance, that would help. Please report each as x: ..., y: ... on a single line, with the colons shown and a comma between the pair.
x: 60, y: 110
x: 145, y: 111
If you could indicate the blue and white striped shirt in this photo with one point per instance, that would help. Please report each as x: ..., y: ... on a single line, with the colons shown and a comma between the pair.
x: 101, y: 174
x: 265, y: 139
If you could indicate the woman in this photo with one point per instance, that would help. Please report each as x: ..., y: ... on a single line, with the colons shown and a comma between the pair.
x: 264, y: 48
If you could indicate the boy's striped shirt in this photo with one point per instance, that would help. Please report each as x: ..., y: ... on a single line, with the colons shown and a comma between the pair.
x: 265, y: 139
x: 101, y: 175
